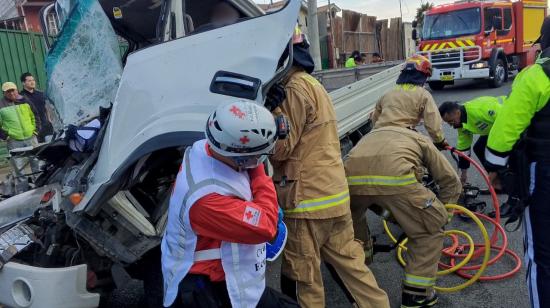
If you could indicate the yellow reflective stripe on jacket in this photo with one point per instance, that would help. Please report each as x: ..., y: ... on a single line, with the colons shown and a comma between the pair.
x: 320, y: 203
x: 419, y: 281
x: 382, y: 180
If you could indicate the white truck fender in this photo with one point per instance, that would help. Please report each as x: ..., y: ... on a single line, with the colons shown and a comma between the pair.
x: 24, y: 286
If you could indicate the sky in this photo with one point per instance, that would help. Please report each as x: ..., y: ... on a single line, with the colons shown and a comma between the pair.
x: 379, y: 8
x: 383, y: 8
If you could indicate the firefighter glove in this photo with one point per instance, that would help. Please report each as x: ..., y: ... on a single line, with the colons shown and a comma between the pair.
x: 442, y: 145
x: 275, y: 96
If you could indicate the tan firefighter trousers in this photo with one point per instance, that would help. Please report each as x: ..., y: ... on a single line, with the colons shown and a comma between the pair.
x: 330, y: 240
x: 422, y: 217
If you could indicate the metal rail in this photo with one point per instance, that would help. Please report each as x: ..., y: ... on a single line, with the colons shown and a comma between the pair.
x: 354, y: 102
x: 338, y: 78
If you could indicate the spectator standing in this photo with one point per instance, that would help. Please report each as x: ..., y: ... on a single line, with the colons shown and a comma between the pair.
x: 18, y: 126
x: 37, y: 100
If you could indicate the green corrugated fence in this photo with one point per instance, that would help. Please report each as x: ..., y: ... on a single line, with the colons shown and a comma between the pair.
x: 22, y: 52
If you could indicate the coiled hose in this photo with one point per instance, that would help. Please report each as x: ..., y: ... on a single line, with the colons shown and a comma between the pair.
x: 475, y: 250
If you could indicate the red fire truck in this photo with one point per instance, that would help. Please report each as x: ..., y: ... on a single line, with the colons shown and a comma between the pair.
x: 481, y: 39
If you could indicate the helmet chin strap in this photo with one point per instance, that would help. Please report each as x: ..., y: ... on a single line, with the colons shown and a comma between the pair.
x: 250, y: 162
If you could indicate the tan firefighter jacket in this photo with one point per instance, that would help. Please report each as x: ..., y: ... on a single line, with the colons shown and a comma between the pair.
x: 405, y: 106
x: 392, y: 160
x: 308, y: 171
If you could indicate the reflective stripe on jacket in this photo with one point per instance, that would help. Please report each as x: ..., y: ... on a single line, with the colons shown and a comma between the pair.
x: 392, y: 160
x: 17, y: 120
x: 382, y: 180
x: 244, y: 265
x: 308, y: 170
x: 481, y: 114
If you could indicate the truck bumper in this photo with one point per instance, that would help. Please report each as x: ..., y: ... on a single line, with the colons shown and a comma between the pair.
x: 25, y: 286
x: 464, y: 72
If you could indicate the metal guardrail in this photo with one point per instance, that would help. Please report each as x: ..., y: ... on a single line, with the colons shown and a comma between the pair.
x: 354, y: 103
x: 338, y: 78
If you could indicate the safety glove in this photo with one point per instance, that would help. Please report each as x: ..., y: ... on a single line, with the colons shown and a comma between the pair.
x: 442, y: 145
x: 275, y: 246
x: 275, y: 96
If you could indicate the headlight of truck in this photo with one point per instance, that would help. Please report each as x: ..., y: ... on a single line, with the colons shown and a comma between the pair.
x: 479, y: 65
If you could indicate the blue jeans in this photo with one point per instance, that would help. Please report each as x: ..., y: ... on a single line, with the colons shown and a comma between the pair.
x: 537, y: 236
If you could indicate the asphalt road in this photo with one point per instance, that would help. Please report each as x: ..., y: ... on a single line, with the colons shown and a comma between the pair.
x: 503, y: 294
x: 510, y: 293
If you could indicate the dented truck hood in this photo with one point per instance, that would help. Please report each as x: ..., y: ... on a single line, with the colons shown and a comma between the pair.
x: 164, y: 96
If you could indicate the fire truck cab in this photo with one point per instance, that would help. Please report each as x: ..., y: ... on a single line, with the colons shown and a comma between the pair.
x: 481, y: 39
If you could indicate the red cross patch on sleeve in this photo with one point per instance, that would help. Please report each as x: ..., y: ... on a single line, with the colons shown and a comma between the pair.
x: 252, y: 216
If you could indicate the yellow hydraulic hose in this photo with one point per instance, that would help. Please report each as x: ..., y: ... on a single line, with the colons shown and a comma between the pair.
x: 401, y: 247
x: 486, y: 256
x: 453, y: 269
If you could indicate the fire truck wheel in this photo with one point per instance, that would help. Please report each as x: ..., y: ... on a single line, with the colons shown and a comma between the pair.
x: 499, y: 75
x: 436, y: 85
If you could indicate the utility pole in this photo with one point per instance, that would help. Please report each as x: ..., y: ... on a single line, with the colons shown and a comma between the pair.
x: 313, y: 29
x: 332, y: 57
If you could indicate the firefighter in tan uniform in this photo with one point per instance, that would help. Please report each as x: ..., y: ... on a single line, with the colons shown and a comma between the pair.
x: 409, y: 102
x: 385, y: 169
x: 405, y: 106
x: 311, y: 186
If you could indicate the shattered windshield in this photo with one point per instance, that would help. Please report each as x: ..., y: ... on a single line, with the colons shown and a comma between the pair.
x: 452, y: 24
x: 62, y: 10
x: 83, y: 66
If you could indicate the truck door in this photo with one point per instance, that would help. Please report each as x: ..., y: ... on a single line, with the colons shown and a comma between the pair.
x: 506, y: 35
x: 498, y: 27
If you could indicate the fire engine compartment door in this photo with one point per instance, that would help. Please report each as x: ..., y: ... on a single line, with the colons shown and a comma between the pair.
x: 533, y: 18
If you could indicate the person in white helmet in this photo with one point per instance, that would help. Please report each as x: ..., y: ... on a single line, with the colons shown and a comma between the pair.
x: 223, y: 210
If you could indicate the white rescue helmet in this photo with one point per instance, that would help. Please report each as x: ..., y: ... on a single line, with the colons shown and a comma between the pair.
x: 243, y: 131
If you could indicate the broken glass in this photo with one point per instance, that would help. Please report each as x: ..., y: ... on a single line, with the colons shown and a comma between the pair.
x: 83, y: 65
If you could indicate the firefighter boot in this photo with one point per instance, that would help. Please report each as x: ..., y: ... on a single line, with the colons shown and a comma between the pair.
x: 418, y: 301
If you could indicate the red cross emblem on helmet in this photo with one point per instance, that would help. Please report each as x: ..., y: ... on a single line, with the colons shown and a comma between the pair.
x: 237, y: 112
x: 421, y: 64
x: 244, y: 140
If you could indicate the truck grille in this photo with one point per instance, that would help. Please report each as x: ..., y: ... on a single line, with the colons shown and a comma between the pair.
x: 455, y: 57
x: 450, y: 65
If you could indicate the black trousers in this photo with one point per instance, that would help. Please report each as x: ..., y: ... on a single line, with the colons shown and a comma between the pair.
x: 197, y: 291
x: 537, y: 239
x: 479, y: 150
x: 45, y: 130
